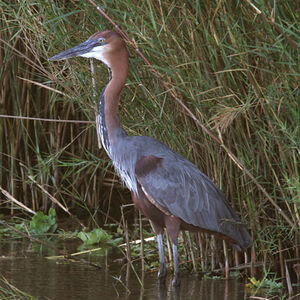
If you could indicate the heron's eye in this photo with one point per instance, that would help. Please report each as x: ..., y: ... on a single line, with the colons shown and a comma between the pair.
x: 101, y: 41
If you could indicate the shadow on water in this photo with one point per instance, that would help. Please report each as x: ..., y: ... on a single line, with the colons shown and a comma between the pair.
x: 52, y: 279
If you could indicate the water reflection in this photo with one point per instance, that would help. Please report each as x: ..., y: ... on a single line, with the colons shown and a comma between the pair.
x: 192, y: 287
x: 205, y: 290
x: 50, y: 279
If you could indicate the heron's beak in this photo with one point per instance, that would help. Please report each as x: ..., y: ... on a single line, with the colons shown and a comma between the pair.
x: 78, y: 50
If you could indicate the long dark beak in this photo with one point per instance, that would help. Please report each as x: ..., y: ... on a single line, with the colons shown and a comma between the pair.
x: 78, y: 50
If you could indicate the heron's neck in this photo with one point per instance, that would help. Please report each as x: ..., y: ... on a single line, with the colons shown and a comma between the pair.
x: 109, y: 125
x: 111, y: 99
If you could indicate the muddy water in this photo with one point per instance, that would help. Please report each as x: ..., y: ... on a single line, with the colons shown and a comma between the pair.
x: 27, y: 269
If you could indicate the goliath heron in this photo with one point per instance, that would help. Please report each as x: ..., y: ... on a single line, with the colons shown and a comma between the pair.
x: 167, y: 188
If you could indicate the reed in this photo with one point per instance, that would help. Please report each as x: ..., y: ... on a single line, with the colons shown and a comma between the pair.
x: 9, y: 291
x: 234, y: 66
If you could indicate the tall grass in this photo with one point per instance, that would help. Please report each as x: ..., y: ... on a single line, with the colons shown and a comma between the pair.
x: 236, y: 70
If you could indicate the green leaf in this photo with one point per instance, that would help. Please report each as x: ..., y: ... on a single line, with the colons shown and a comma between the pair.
x: 96, y: 236
x: 41, y: 223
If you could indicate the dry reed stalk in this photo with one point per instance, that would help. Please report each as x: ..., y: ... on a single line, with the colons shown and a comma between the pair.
x: 213, y: 253
x: 201, y: 248
x: 170, y: 256
x: 192, y: 252
x: 226, y: 260
x: 15, y: 201
x: 125, y: 230
x: 142, y: 242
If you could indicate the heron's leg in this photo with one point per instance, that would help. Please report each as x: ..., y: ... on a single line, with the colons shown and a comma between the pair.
x: 162, y: 264
x: 176, y: 280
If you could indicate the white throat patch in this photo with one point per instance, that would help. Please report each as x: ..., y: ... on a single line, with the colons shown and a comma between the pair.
x: 97, y: 53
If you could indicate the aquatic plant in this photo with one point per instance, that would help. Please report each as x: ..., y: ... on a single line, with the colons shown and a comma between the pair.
x: 97, y: 236
x: 41, y: 223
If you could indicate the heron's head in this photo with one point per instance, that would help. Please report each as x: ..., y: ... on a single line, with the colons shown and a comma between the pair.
x: 104, y: 46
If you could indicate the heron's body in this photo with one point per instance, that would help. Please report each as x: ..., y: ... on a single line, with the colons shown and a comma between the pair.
x: 167, y: 188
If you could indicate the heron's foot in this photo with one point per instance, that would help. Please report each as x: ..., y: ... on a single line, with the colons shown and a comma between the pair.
x: 162, y: 273
x: 176, y: 280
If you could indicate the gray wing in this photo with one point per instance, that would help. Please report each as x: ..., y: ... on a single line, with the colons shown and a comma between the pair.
x: 182, y: 189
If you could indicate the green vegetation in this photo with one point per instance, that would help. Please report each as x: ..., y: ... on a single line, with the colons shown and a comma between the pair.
x: 237, y: 71
x: 10, y: 292
x: 267, y: 286
x: 97, y: 236
x: 265, y: 283
x: 41, y: 224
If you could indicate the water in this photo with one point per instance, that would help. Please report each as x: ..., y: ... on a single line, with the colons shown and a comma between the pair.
x: 60, y: 279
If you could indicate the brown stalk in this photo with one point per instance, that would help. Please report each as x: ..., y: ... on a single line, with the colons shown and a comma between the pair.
x: 200, y: 243
x: 142, y: 242
x: 226, y: 260
x: 125, y: 229
x: 192, y: 251
x: 14, y: 200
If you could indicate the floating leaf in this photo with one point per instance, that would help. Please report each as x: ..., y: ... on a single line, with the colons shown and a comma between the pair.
x: 96, y: 236
x: 41, y: 223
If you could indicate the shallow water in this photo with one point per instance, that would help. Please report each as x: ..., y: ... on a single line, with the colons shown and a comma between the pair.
x: 60, y: 280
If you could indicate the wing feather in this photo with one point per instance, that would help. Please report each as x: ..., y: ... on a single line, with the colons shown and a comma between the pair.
x: 182, y: 189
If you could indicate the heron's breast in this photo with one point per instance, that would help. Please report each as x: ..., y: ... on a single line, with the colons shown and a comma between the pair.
x: 126, y: 174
